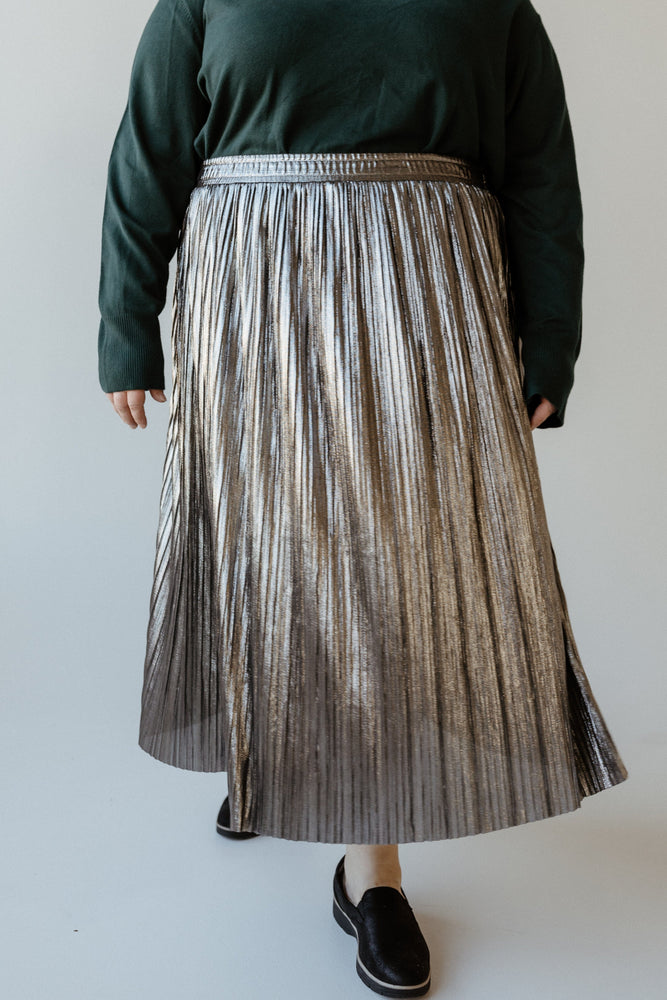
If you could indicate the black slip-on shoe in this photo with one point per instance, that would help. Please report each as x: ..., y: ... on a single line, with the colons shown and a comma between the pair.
x: 223, y: 827
x: 392, y: 955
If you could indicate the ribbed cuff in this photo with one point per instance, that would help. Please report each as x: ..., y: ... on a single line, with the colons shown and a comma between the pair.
x: 130, y: 353
x: 548, y: 370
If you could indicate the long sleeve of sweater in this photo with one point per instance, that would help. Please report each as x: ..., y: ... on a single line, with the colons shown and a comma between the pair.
x: 152, y: 169
x: 542, y: 205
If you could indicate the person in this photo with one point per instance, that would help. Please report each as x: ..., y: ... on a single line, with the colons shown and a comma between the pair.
x: 356, y: 608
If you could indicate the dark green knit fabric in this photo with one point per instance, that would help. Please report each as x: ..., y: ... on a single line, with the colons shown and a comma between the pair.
x: 477, y: 79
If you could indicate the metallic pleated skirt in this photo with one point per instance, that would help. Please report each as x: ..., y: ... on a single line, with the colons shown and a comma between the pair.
x: 356, y: 609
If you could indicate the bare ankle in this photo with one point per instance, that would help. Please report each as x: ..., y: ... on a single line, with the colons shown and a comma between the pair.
x: 369, y: 865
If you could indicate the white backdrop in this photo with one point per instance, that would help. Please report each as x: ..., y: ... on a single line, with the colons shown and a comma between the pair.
x: 114, y: 881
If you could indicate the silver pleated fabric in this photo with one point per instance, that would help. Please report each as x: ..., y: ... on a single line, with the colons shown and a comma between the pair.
x: 356, y: 609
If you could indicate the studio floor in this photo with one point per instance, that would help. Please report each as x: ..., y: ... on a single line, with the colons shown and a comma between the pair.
x: 119, y: 886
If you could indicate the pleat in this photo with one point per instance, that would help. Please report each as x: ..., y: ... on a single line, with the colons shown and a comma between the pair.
x: 356, y: 610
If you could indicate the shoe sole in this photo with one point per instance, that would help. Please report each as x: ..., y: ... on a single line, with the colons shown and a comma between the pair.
x: 235, y: 834
x: 381, y: 987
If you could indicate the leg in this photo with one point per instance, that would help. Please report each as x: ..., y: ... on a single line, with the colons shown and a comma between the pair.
x: 368, y: 865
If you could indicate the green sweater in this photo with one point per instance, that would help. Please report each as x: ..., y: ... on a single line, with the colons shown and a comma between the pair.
x: 477, y: 79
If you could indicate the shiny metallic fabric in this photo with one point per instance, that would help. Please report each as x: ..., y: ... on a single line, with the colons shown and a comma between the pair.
x: 356, y: 609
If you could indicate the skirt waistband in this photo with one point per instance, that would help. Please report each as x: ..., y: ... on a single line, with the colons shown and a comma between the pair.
x: 338, y: 166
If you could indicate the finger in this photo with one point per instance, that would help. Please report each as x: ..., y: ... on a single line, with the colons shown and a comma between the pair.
x: 538, y: 416
x: 158, y: 394
x: 135, y: 401
x: 122, y: 408
x: 541, y: 412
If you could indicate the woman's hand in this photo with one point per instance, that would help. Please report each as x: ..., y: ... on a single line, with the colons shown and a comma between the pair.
x: 129, y: 405
x: 541, y: 412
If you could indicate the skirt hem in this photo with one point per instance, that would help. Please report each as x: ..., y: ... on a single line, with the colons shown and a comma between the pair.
x: 611, y: 781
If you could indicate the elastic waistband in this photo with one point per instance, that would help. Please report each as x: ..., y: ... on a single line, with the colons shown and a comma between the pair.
x: 338, y: 166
